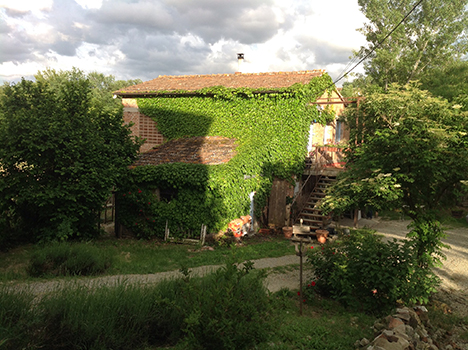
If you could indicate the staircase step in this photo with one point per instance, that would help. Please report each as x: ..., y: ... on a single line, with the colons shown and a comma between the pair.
x: 311, y: 215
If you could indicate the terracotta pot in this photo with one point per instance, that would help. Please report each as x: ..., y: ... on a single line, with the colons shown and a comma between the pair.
x: 321, y: 236
x: 287, y: 231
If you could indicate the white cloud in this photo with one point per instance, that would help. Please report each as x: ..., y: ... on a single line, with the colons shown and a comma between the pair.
x: 26, y: 5
x: 143, y: 38
x: 89, y: 4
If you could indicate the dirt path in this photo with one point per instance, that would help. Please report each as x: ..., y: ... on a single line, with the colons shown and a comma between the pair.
x: 454, y: 273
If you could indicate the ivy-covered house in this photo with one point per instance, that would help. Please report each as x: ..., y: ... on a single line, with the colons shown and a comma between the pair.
x: 214, y: 142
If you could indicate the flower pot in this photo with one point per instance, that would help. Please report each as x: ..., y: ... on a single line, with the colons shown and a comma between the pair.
x: 287, y: 231
x: 321, y: 236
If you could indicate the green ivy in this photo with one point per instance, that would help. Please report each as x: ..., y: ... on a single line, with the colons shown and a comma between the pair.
x: 271, y: 130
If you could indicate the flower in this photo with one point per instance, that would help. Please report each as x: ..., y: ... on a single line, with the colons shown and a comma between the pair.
x: 298, y: 293
x: 323, y: 248
x: 139, y: 191
x: 124, y: 194
x: 149, y: 202
x: 374, y: 291
x: 313, y: 284
x: 129, y: 192
x: 303, y: 300
x: 311, y: 247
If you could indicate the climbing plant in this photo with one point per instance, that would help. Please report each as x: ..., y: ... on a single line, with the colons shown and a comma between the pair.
x: 271, y: 131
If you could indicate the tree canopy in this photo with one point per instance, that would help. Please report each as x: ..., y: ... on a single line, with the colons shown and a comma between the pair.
x: 433, y: 35
x: 408, y: 150
x: 61, y: 155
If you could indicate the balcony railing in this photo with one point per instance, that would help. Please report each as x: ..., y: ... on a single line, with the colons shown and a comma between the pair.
x: 325, y: 157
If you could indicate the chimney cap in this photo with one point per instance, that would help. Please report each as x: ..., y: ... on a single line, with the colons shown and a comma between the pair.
x: 240, y: 56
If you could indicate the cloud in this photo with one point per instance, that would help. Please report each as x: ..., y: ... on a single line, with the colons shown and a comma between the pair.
x: 146, y: 38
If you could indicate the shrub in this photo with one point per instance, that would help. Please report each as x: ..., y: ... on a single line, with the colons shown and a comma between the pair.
x: 64, y: 259
x: 362, y: 271
x: 225, y: 310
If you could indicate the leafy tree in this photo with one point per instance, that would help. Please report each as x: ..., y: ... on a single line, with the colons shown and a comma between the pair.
x: 450, y: 82
x: 60, y: 157
x: 101, y: 86
x: 408, y: 151
x: 433, y: 35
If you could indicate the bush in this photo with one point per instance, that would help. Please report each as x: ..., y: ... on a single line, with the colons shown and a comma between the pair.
x: 65, y: 259
x: 225, y: 310
x: 362, y: 271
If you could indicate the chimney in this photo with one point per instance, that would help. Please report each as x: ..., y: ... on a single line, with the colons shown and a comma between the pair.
x: 240, y: 59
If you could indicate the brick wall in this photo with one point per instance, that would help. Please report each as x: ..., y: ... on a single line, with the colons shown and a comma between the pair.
x: 143, y: 125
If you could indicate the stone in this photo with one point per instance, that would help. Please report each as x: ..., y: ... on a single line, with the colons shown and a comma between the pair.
x: 401, y: 344
x: 394, y: 322
x: 378, y: 326
x: 403, y: 316
x: 414, y: 319
x: 409, y: 330
x: 364, y: 342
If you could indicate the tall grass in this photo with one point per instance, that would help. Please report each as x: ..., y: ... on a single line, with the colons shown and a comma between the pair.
x: 65, y: 259
x: 224, y: 310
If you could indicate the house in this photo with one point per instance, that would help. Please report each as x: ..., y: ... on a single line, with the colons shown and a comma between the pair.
x: 246, y: 133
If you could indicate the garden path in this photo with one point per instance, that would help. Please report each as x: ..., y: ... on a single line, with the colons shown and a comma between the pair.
x: 454, y: 273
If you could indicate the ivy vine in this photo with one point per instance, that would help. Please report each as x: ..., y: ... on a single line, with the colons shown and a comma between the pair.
x: 271, y: 129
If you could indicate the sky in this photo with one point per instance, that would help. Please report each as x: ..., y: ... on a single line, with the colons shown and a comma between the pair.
x: 142, y: 39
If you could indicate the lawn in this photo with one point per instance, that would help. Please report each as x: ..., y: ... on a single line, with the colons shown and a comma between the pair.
x: 131, y: 256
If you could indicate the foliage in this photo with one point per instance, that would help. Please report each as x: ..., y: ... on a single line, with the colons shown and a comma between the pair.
x: 449, y: 82
x: 224, y: 310
x: 102, y: 86
x: 408, y: 151
x: 433, y: 35
x: 60, y: 157
x: 270, y: 130
x: 65, y: 259
x: 362, y: 271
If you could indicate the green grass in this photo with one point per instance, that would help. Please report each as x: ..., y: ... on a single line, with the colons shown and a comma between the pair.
x: 131, y: 256
x: 164, y: 316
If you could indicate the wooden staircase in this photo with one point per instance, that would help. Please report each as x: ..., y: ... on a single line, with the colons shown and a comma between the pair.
x: 311, y: 215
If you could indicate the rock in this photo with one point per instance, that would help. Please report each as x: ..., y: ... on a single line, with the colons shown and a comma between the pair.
x: 400, y: 344
x: 364, y: 342
x: 394, y: 322
x: 409, y: 330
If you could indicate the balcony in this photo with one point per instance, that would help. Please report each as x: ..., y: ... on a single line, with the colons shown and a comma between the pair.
x: 325, y: 160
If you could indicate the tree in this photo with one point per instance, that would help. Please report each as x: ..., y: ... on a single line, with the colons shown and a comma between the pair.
x: 102, y: 86
x: 450, y: 82
x: 408, y: 151
x: 433, y: 35
x: 60, y: 157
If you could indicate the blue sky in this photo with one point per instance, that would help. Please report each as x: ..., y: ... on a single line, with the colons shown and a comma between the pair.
x: 146, y: 38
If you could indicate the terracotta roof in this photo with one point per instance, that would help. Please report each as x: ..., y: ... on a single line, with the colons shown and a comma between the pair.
x: 209, y: 150
x: 186, y: 84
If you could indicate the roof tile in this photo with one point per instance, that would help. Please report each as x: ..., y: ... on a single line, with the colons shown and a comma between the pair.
x: 174, y: 83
